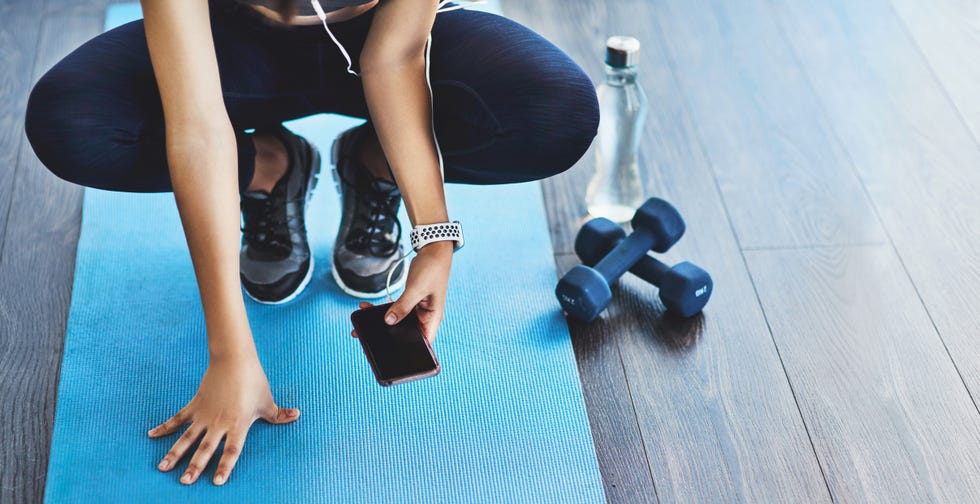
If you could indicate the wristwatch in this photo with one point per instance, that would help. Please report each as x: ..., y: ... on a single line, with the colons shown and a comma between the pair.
x: 425, y: 234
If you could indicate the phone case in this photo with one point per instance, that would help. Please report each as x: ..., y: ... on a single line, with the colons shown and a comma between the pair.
x: 367, y: 352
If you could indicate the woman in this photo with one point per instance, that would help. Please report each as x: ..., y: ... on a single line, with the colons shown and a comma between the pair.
x: 163, y: 104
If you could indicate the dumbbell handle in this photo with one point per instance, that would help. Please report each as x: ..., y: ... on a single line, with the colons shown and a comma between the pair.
x: 626, y: 254
x: 650, y: 269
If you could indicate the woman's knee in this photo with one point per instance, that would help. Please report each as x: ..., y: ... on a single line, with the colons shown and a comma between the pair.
x: 77, y: 132
x: 544, y: 109
x: 574, y: 124
x: 548, y: 101
x: 558, y: 127
x: 54, y: 131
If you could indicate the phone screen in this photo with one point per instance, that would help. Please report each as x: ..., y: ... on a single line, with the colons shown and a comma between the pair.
x: 395, y: 352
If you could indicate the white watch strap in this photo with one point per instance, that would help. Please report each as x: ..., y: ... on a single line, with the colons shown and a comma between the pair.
x: 425, y: 234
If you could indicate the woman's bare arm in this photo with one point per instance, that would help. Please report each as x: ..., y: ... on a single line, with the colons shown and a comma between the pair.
x: 392, y: 65
x: 202, y: 156
x: 203, y: 161
x: 393, y: 73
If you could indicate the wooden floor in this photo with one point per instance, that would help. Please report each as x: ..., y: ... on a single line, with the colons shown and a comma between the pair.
x: 826, y: 158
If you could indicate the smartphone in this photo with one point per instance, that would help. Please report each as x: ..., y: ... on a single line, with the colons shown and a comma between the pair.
x: 397, y: 353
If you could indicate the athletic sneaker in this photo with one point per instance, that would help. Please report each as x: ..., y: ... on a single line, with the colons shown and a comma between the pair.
x: 276, y: 261
x: 368, y: 243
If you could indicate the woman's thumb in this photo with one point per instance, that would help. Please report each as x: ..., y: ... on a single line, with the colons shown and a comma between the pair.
x: 281, y: 415
x: 399, y: 309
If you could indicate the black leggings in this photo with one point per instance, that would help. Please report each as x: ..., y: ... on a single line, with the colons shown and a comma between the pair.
x: 508, y: 106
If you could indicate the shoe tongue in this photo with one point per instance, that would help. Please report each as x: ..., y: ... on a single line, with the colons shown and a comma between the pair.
x: 259, y: 195
x: 384, y: 185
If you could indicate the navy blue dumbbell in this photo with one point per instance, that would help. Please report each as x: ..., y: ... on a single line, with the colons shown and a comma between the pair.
x: 584, y: 291
x: 684, y: 288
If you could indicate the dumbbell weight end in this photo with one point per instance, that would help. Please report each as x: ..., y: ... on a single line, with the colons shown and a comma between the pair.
x: 583, y: 293
x: 685, y: 289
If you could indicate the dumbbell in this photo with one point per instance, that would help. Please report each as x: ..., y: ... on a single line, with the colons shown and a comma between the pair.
x: 584, y: 291
x: 684, y: 288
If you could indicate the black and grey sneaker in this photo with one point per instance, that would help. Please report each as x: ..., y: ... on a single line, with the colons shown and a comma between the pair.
x: 276, y: 262
x: 368, y: 243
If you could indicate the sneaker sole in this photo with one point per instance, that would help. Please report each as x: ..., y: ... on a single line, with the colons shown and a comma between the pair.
x: 395, y: 287
x: 312, y: 182
x: 334, y: 159
x: 291, y: 296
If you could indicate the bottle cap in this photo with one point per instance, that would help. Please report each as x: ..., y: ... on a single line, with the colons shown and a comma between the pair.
x: 622, y: 51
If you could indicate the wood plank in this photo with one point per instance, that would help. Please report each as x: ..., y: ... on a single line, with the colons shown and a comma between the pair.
x: 18, y: 40
x: 785, y: 179
x: 909, y: 145
x: 716, y: 413
x: 37, y: 268
x: 888, y: 414
x: 948, y: 34
x: 619, y: 445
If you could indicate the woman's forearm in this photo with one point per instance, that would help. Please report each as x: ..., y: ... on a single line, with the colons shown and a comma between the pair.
x: 202, y: 158
x: 399, y: 102
x: 204, y: 173
x: 393, y: 77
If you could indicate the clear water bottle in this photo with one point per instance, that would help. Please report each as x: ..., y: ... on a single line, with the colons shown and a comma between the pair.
x: 616, y: 191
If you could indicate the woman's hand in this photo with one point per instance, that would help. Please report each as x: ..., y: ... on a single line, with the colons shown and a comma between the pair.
x: 234, y: 392
x: 425, y: 289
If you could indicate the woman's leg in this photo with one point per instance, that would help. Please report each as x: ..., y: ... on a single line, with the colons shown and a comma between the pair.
x: 508, y: 105
x: 95, y: 118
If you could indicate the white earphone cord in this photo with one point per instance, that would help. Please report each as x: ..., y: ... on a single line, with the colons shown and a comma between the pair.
x: 391, y: 271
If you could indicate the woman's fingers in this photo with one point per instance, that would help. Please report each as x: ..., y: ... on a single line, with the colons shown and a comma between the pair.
x: 277, y: 415
x: 234, y: 443
x: 201, y: 457
x: 171, y: 425
x: 430, y: 320
x: 179, y: 448
x: 430, y: 312
x: 430, y: 328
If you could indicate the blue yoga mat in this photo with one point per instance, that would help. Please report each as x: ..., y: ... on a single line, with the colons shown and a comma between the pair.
x: 503, y: 422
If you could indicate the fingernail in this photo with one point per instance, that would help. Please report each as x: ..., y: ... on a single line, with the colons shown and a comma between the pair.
x: 219, y: 479
x: 292, y: 413
x: 164, y: 464
x: 186, y: 478
x: 390, y: 318
x: 152, y: 431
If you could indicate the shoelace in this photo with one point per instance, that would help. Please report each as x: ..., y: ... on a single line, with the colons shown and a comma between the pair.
x: 375, y: 231
x: 381, y: 214
x: 262, y: 226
